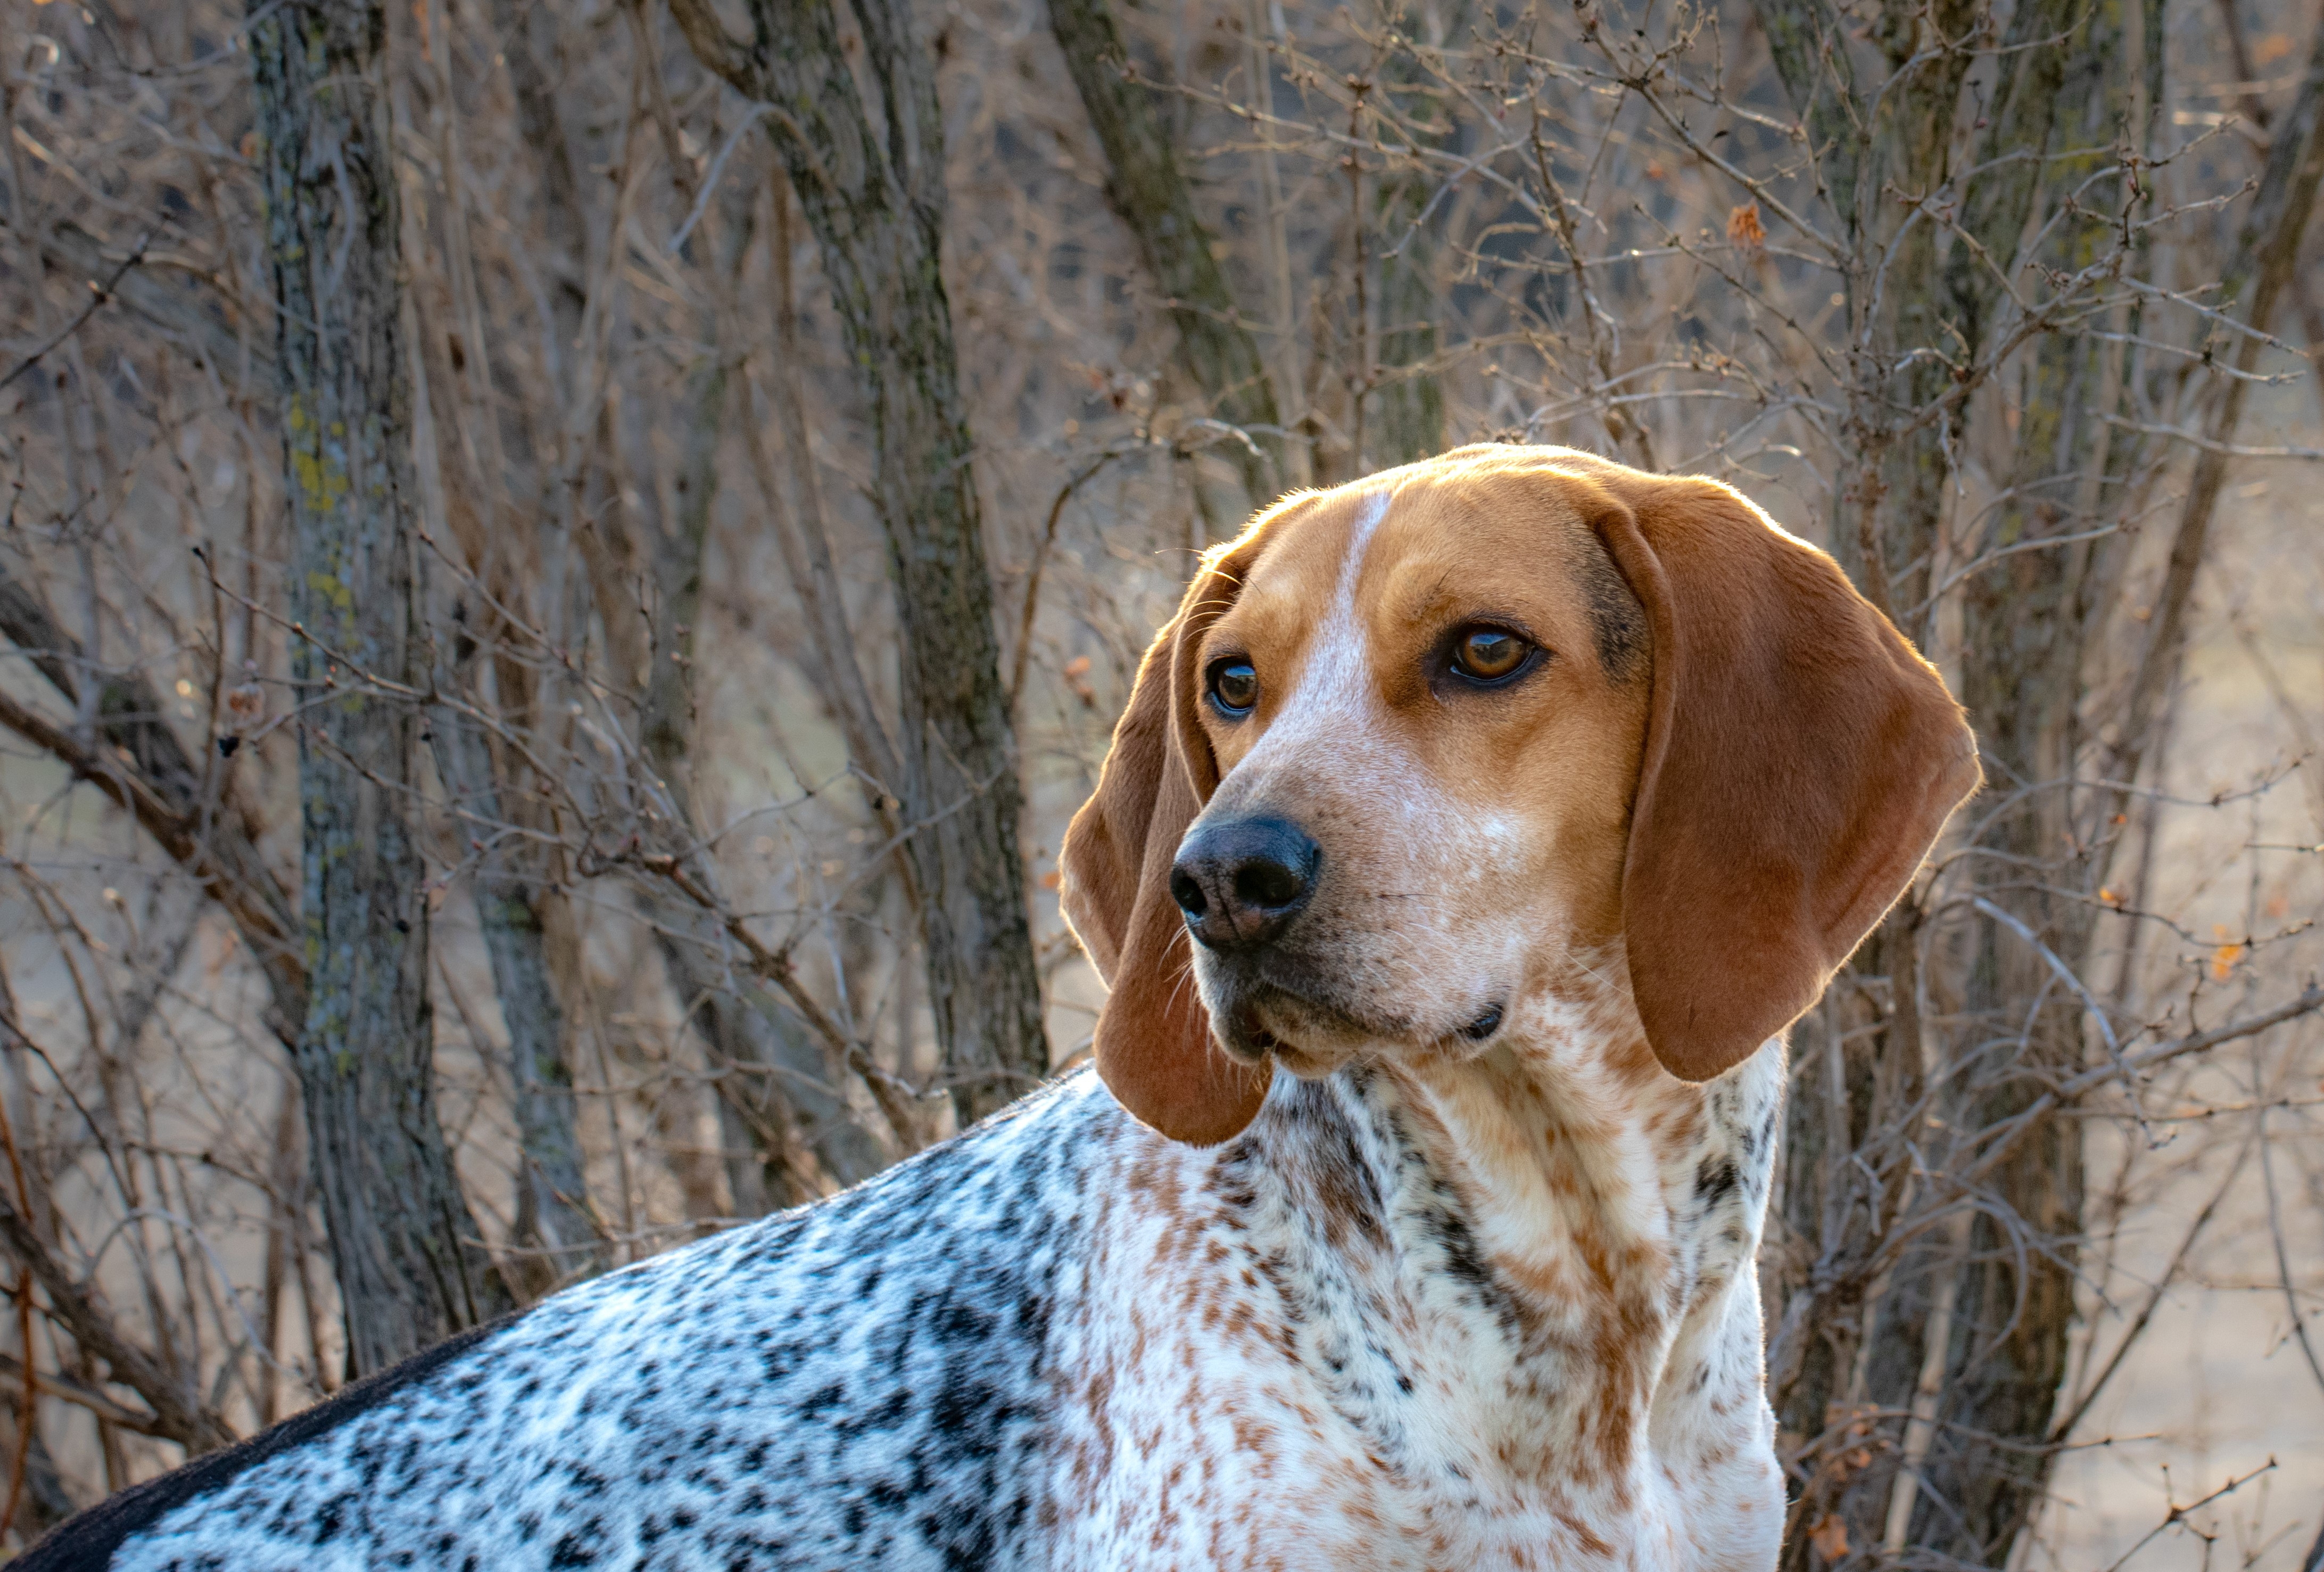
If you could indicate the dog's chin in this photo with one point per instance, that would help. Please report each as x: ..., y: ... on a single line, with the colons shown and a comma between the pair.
x: 1259, y: 1024
x: 1257, y: 1020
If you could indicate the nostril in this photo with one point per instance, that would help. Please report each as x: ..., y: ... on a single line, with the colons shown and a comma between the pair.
x: 1187, y: 894
x: 1268, y: 884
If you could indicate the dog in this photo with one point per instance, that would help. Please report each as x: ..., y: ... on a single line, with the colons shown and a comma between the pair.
x: 1470, y: 838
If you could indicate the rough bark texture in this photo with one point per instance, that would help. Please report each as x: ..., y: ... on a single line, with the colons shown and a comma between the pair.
x: 1149, y: 193
x: 2004, y: 1317
x: 2026, y: 623
x: 1810, y: 52
x: 410, y: 1264
x: 873, y: 195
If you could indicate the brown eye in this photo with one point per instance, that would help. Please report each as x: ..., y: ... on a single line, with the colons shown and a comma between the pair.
x: 1234, y: 688
x: 1485, y: 654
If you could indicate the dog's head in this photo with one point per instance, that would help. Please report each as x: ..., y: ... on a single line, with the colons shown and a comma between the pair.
x: 1414, y: 751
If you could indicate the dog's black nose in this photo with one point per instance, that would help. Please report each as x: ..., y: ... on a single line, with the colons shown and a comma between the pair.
x: 1241, y: 882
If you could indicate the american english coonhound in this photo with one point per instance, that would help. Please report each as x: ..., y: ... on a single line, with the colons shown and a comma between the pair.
x: 1473, y: 835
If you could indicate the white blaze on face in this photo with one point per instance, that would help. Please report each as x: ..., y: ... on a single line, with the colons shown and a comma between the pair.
x: 1336, y: 695
x: 1399, y: 850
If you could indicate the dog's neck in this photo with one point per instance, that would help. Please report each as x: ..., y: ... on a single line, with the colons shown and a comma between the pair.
x: 1572, y: 1228
x: 1574, y: 1146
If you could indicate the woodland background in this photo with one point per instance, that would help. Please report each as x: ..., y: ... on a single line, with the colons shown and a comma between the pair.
x: 565, y: 564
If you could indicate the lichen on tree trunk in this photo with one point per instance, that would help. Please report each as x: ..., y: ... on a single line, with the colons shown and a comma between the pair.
x: 411, y: 1266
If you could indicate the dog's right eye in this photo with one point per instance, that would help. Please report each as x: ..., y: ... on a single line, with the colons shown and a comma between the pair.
x: 1489, y: 656
x: 1235, y: 687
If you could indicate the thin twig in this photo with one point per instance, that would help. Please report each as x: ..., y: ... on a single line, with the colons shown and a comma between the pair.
x: 99, y: 295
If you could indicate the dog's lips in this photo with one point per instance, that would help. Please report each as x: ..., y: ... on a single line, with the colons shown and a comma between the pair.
x: 1246, y: 1035
x: 1263, y: 1013
x: 1259, y: 1018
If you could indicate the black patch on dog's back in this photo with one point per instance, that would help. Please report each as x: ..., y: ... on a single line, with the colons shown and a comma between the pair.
x: 86, y: 1543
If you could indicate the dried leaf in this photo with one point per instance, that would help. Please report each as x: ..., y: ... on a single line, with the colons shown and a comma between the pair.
x: 1744, y: 228
x: 1829, y: 1537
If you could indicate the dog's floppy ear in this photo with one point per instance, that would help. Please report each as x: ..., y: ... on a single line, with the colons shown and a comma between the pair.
x: 1153, y: 1044
x: 1800, y: 759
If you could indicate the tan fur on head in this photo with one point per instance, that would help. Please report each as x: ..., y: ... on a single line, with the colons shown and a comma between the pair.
x: 1725, y: 764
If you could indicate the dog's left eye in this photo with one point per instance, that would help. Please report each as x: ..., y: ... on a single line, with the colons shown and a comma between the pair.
x: 1489, y: 654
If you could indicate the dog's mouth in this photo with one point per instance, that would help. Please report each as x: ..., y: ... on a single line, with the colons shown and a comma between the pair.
x: 1260, y: 1018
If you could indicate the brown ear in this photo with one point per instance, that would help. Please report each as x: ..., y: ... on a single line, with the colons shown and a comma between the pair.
x: 1153, y: 1044
x: 1800, y: 759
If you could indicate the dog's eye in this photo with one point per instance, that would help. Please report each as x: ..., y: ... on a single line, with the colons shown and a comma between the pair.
x: 1235, y: 687
x: 1488, y: 654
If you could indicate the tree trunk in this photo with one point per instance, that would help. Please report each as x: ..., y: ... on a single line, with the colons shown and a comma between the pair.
x: 2026, y: 620
x: 875, y: 204
x: 770, y: 1078
x: 1408, y: 406
x: 779, y: 1090
x: 1967, y: 1329
x: 1853, y: 1356
x: 1895, y: 497
x: 555, y: 1229
x: 411, y: 1264
x: 774, y: 1078
x: 1150, y: 195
